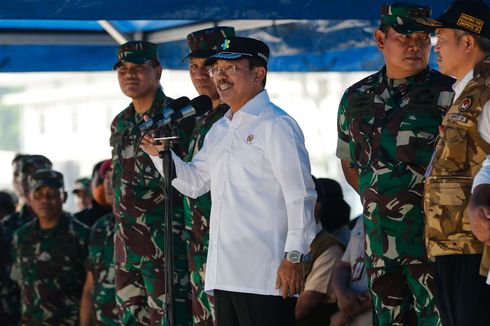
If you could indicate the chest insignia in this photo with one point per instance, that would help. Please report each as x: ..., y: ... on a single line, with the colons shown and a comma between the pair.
x: 465, y: 104
x: 250, y: 139
x: 457, y: 117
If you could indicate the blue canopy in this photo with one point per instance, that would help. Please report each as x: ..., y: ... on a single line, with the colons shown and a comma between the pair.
x: 72, y: 35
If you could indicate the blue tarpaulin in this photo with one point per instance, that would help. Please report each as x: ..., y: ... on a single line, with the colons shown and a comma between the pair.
x: 64, y: 35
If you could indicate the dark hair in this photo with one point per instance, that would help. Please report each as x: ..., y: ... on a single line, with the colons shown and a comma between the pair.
x: 18, y: 157
x: 254, y: 63
x: 334, y: 211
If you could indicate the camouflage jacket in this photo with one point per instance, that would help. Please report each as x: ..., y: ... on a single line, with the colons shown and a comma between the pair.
x: 459, y: 154
x: 16, y: 220
x: 9, y: 291
x: 101, y: 263
x: 49, y: 267
x: 138, y: 197
x: 387, y: 130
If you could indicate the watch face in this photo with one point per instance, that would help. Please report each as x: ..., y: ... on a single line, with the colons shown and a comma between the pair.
x: 294, y: 257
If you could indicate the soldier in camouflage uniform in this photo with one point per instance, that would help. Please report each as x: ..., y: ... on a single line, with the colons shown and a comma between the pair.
x: 48, y: 255
x: 9, y: 291
x: 387, y: 125
x: 27, y: 165
x: 139, y: 199
x: 202, y: 44
x: 463, y: 46
x: 99, y: 304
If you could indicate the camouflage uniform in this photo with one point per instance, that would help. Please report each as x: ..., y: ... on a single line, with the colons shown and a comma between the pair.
x: 387, y: 130
x: 197, y: 212
x: 48, y: 265
x: 16, y: 220
x: 102, y: 266
x: 28, y: 164
x: 139, y: 235
x: 9, y: 291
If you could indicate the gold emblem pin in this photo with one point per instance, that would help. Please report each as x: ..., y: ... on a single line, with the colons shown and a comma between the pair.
x: 250, y: 138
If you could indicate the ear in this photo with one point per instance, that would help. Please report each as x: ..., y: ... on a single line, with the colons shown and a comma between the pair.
x: 469, y: 43
x: 158, y: 73
x: 379, y: 37
x: 259, y: 74
x: 65, y: 196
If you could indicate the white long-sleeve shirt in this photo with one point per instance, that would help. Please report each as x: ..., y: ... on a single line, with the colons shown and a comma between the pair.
x: 256, y: 165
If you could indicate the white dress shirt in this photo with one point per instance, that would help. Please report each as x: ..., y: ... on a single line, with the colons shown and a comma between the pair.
x: 256, y: 165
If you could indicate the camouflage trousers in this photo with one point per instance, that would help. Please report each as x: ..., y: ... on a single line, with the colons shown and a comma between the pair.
x: 404, y: 295
x: 140, y: 295
x: 202, y: 304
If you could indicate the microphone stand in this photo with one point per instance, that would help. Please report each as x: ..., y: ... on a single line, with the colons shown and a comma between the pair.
x: 167, y: 165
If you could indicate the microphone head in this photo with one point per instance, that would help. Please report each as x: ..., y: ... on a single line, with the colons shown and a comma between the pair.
x: 201, y: 104
x: 178, y: 103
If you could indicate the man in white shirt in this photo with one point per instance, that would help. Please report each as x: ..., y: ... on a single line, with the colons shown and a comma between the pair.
x: 479, y: 207
x: 256, y: 165
x: 463, y: 46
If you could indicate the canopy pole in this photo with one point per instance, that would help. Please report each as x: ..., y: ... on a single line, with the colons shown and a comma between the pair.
x: 112, y: 31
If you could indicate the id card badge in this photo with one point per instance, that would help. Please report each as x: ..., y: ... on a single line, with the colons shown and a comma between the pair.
x: 357, y: 269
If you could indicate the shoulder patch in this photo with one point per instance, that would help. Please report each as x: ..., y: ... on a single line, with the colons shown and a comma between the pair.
x: 465, y: 104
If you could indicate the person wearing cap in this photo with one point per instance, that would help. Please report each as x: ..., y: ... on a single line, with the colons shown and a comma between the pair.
x: 139, y: 199
x: 202, y: 44
x: 256, y: 166
x: 83, y: 193
x: 463, y: 48
x: 387, y: 127
x: 99, y: 205
x: 27, y: 165
x: 99, y: 292
x: 48, y: 255
x: 317, y: 303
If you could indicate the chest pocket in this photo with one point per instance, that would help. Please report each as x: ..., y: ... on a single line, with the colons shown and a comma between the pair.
x: 360, y: 115
x: 418, y: 130
x: 452, y: 156
x: 416, y: 138
x: 246, y: 158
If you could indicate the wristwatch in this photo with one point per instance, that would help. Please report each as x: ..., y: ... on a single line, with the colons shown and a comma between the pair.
x: 294, y: 257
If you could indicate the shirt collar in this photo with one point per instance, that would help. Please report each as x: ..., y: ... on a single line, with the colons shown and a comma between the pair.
x: 254, y: 107
x: 459, y: 85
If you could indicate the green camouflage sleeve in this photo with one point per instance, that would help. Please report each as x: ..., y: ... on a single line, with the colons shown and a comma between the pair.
x: 343, y: 139
x: 15, y: 271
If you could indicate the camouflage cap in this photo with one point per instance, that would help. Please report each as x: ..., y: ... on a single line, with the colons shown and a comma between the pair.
x: 45, y: 177
x: 472, y: 16
x: 205, y: 42
x: 408, y: 18
x: 138, y: 52
x: 38, y: 161
x: 81, y: 184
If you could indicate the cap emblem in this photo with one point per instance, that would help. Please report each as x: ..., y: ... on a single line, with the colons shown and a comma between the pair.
x: 226, y: 44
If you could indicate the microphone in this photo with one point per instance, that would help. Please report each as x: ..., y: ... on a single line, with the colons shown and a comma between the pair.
x: 197, y: 106
x: 166, y: 112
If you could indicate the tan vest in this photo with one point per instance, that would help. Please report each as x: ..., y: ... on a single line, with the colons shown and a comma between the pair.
x: 458, y: 156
